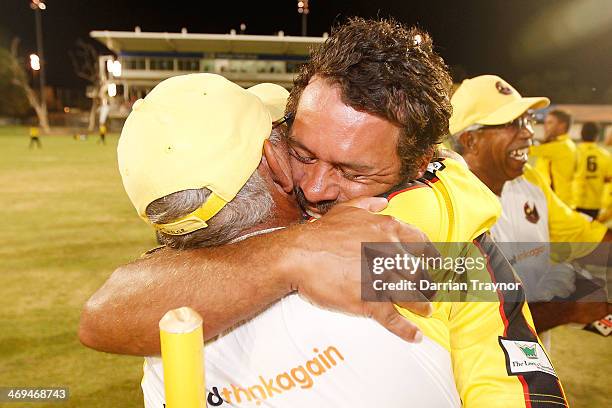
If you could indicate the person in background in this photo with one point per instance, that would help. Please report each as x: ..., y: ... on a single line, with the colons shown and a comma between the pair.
x: 102, y: 134
x: 34, y: 137
x: 608, y: 140
x: 606, y: 206
x: 492, y: 130
x: 556, y: 155
x: 593, y: 172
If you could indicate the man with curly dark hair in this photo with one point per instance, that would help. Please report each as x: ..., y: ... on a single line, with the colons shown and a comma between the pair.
x: 367, y: 111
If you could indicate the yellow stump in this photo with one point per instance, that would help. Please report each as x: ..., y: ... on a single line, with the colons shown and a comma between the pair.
x: 182, y: 355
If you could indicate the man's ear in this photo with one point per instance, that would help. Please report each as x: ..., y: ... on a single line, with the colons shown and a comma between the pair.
x: 468, y: 141
x: 277, y: 159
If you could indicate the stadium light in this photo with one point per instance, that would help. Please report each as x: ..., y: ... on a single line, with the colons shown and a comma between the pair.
x: 38, y: 4
x: 303, y: 9
x: 113, y: 67
x: 116, y: 69
x: 112, y: 90
x: 34, y: 62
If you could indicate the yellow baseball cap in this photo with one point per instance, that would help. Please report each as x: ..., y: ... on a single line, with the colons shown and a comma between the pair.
x: 489, y: 100
x: 195, y: 131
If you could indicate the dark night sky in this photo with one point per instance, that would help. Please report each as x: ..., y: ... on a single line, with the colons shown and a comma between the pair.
x: 514, y: 38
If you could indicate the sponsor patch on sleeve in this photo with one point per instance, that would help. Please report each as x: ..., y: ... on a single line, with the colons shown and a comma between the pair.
x: 435, y: 166
x: 525, y: 357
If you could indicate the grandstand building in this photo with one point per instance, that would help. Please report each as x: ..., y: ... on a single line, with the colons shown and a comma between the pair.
x: 143, y: 59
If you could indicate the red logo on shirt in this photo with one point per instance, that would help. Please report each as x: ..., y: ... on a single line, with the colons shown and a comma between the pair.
x: 531, y: 213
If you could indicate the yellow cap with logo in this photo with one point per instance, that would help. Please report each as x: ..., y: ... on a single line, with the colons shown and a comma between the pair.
x: 195, y: 131
x: 489, y: 100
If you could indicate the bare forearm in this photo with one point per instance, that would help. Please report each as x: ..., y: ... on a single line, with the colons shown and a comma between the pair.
x: 226, y: 285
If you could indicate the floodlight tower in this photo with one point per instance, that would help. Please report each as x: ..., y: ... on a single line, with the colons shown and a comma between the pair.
x: 303, y: 10
x: 38, y: 6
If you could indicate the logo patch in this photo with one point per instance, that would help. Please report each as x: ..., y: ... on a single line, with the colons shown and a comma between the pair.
x: 502, y: 89
x: 525, y: 357
x: 528, y: 350
x: 531, y: 213
x: 434, y: 166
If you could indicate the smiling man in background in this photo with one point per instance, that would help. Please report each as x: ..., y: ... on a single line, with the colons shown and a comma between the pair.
x: 493, y: 131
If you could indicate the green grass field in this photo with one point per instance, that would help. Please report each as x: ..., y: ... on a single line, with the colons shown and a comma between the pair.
x: 67, y: 224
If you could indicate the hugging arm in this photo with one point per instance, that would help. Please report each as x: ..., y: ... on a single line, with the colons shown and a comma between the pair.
x: 231, y: 283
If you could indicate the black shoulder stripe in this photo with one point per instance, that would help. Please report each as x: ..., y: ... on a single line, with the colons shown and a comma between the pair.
x: 428, y: 177
x: 541, y: 389
x: 407, y: 185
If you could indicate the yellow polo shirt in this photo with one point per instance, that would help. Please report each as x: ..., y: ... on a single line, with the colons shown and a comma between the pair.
x: 485, y: 338
x: 593, y: 170
x: 556, y: 162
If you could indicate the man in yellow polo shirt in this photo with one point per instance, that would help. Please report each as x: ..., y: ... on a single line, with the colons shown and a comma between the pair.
x: 556, y: 155
x: 593, y: 172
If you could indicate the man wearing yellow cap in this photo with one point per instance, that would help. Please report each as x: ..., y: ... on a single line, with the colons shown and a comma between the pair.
x: 404, y: 114
x: 492, y: 129
x: 556, y: 155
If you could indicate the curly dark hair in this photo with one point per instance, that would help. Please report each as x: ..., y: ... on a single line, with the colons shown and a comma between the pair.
x: 391, y: 71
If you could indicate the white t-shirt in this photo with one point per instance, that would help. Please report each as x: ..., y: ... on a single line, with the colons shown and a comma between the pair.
x: 296, y: 354
x: 524, y: 217
x: 523, y: 236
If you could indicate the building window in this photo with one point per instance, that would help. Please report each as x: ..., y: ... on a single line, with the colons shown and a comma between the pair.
x: 133, y: 63
x: 208, y: 65
x: 189, y: 64
x: 161, y: 64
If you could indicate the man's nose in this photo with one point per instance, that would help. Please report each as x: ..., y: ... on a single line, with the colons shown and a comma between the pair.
x: 320, y: 183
